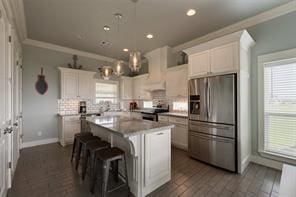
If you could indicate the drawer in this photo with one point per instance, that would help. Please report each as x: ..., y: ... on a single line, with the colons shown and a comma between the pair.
x: 163, y: 118
x: 176, y: 120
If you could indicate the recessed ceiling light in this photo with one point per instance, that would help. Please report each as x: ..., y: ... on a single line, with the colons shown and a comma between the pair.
x: 106, y: 28
x: 125, y: 50
x: 149, y: 36
x: 191, y: 12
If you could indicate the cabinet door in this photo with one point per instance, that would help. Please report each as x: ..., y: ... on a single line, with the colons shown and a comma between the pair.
x: 69, y: 85
x: 126, y: 88
x: 224, y: 58
x: 157, y: 163
x: 176, y: 83
x: 70, y: 128
x: 199, y: 64
x: 84, y: 86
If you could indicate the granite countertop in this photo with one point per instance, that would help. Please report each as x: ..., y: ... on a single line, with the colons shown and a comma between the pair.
x: 176, y: 114
x: 127, y: 127
x: 91, y: 113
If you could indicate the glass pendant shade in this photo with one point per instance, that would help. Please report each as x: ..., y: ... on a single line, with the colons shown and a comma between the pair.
x: 118, y: 67
x: 106, y: 72
x: 135, y: 61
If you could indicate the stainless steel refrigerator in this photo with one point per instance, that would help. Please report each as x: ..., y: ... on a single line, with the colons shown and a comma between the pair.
x: 212, y: 120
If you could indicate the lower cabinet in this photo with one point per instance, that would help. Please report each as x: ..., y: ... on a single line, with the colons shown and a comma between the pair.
x: 68, y: 126
x: 157, y: 163
x: 179, y: 134
x: 136, y: 115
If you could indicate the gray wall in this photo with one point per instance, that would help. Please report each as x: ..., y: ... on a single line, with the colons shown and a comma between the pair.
x: 39, y: 111
x: 272, y: 36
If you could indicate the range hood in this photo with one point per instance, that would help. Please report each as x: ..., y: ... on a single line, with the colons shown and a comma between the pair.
x: 158, y: 61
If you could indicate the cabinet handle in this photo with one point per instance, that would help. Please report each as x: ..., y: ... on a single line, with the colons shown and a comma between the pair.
x: 159, y: 134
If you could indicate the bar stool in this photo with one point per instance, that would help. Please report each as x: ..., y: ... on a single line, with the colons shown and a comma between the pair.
x: 75, y: 141
x: 89, y: 152
x: 106, y: 157
x: 82, y: 141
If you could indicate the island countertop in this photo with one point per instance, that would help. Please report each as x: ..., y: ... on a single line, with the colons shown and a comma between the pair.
x: 127, y: 127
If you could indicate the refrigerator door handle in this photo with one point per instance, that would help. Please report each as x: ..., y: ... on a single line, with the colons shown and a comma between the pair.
x: 208, y: 98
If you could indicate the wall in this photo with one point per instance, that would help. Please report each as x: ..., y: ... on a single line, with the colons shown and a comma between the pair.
x: 39, y: 111
x: 275, y: 35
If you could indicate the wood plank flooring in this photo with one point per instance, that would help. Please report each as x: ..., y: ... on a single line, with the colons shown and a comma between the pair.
x: 46, y: 171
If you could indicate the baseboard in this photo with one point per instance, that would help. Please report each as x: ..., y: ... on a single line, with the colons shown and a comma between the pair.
x: 39, y: 142
x: 267, y: 162
x: 245, y: 163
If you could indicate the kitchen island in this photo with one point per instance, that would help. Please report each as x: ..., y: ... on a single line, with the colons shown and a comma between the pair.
x: 147, y: 145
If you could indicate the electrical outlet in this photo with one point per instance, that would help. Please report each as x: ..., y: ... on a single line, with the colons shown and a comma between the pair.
x: 39, y: 133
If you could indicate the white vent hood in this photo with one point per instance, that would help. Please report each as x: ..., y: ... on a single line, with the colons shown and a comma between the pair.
x: 158, y: 60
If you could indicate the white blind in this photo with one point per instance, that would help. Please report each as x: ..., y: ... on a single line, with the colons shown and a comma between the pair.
x: 280, y: 108
x: 106, y: 92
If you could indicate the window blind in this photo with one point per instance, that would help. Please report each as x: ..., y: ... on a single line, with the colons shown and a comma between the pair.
x: 106, y: 92
x: 280, y: 108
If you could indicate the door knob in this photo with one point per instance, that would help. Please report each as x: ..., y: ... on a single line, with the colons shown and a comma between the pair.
x: 15, y: 124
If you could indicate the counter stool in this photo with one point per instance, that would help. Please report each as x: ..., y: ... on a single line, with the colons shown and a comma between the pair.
x: 82, y: 141
x: 106, y: 156
x: 75, y: 141
x: 89, y: 152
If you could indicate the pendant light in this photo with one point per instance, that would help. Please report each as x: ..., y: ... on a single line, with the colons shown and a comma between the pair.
x: 135, y: 56
x: 106, y: 71
x: 118, y: 64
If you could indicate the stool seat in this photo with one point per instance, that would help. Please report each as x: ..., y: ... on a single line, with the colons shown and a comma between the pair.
x: 87, y: 139
x: 110, y: 154
x: 83, y: 134
x: 77, y: 135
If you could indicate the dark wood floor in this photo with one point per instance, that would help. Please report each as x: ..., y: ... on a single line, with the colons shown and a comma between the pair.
x: 46, y: 171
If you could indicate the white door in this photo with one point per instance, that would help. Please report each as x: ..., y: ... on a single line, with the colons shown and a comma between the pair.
x: 224, y: 58
x: 15, y: 118
x: 199, y: 64
x: 3, y: 125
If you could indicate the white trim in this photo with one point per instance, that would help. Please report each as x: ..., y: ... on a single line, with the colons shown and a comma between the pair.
x: 67, y: 50
x: 260, y: 18
x: 267, y: 162
x: 39, y: 142
x: 245, y: 163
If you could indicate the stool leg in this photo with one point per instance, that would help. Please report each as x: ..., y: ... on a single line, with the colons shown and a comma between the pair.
x: 78, y: 156
x: 73, y: 149
x: 115, y: 170
x: 126, y: 174
x: 94, y: 176
x: 84, y: 164
x: 106, y: 168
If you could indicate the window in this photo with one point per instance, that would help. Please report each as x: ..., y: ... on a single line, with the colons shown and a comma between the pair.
x: 106, y: 92
x: 279, y: 104
x: 147, y: 104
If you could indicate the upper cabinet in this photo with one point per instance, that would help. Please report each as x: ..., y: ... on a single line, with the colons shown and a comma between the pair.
x: 219, y: 56
x: 139, y: 90
x: 76, y: 83
x: 176, y: 82
x: 126, y: 88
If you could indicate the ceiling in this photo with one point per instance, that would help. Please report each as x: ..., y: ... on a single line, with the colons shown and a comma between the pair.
x: 78, y: 24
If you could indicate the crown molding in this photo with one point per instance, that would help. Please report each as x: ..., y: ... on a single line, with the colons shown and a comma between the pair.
x: 67, y: 50
x: 260, y: 18
x: 16, y: 15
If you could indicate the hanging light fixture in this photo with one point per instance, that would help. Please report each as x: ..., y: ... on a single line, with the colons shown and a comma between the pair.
x: 106, y: 72
x: 135, y: 56
x: 118, y: 64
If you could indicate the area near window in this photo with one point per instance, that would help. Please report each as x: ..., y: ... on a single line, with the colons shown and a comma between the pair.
x: 180, y: 106
x: 106, y: 92
x: 278, y: 124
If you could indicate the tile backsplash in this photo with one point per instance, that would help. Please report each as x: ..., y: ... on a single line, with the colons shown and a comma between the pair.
x: 71, y: 106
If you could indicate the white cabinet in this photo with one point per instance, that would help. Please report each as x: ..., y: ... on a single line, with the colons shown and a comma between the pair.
x: 224, y: 58
x: 221, y: 59
x: 68, y: 126
x: 179, y: 135
x: 157, y: 156
x: 176, y: 82
x: 76, y: 83
x: 139, y: 91
x: 199, y: 64
x: 126, y: 88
